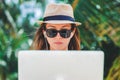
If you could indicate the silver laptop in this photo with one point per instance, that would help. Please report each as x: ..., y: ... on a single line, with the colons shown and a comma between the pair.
x: 60, y: 65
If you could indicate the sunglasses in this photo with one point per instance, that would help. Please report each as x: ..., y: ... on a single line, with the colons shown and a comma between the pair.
x: 64, y: 33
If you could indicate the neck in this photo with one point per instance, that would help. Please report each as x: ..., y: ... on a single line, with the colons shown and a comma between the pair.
x: 58, y: 49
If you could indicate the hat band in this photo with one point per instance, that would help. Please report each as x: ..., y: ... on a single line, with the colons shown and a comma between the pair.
x: 59, y: 17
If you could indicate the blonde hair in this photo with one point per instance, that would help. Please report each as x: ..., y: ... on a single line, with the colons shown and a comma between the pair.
x: 40, y: 42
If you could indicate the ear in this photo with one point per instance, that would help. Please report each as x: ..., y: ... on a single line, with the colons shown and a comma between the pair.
x: 72, y: 33
x: 44, y: 33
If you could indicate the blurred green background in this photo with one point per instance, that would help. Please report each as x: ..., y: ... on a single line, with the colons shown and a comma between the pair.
x: 100, y: 30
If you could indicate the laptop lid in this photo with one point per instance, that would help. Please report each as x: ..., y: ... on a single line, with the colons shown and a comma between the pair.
x: 60, y: 65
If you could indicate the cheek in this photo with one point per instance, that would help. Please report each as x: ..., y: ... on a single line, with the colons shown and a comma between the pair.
x: 50, y: 40
x: 66, y: 41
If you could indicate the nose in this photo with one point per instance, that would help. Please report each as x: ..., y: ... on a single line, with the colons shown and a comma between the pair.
x: 58, y: 35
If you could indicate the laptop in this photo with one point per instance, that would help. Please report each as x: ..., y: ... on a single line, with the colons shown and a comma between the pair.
x: 60, y: 65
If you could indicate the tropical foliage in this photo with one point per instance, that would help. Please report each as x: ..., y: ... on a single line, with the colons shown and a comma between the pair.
x: 100, y: 30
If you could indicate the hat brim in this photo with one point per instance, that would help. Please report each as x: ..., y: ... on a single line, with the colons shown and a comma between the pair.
x: 59, y: 22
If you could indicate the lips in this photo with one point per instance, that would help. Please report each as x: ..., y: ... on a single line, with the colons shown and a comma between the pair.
x: 58, y: 42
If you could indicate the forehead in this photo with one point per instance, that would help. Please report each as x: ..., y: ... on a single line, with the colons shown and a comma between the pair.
x: 58, y: 25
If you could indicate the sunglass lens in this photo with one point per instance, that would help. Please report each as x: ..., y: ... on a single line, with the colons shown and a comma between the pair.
x: 51, y: 33
x: 65, y: 33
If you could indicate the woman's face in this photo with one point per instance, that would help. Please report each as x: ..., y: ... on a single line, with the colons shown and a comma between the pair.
x: 58, y: 40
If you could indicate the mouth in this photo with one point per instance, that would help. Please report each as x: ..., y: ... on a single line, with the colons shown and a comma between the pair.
x: 58, y: 42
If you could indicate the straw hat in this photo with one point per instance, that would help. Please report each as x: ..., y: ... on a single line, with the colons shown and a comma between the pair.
x: 59, y: 14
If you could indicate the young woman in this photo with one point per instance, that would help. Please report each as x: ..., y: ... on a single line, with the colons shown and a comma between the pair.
x: 58, y: 30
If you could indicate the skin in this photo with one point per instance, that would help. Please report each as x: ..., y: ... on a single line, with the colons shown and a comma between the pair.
x: 58, y: 43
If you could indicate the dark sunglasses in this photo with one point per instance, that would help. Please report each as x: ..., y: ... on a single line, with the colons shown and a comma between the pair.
x: 64, y: 33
